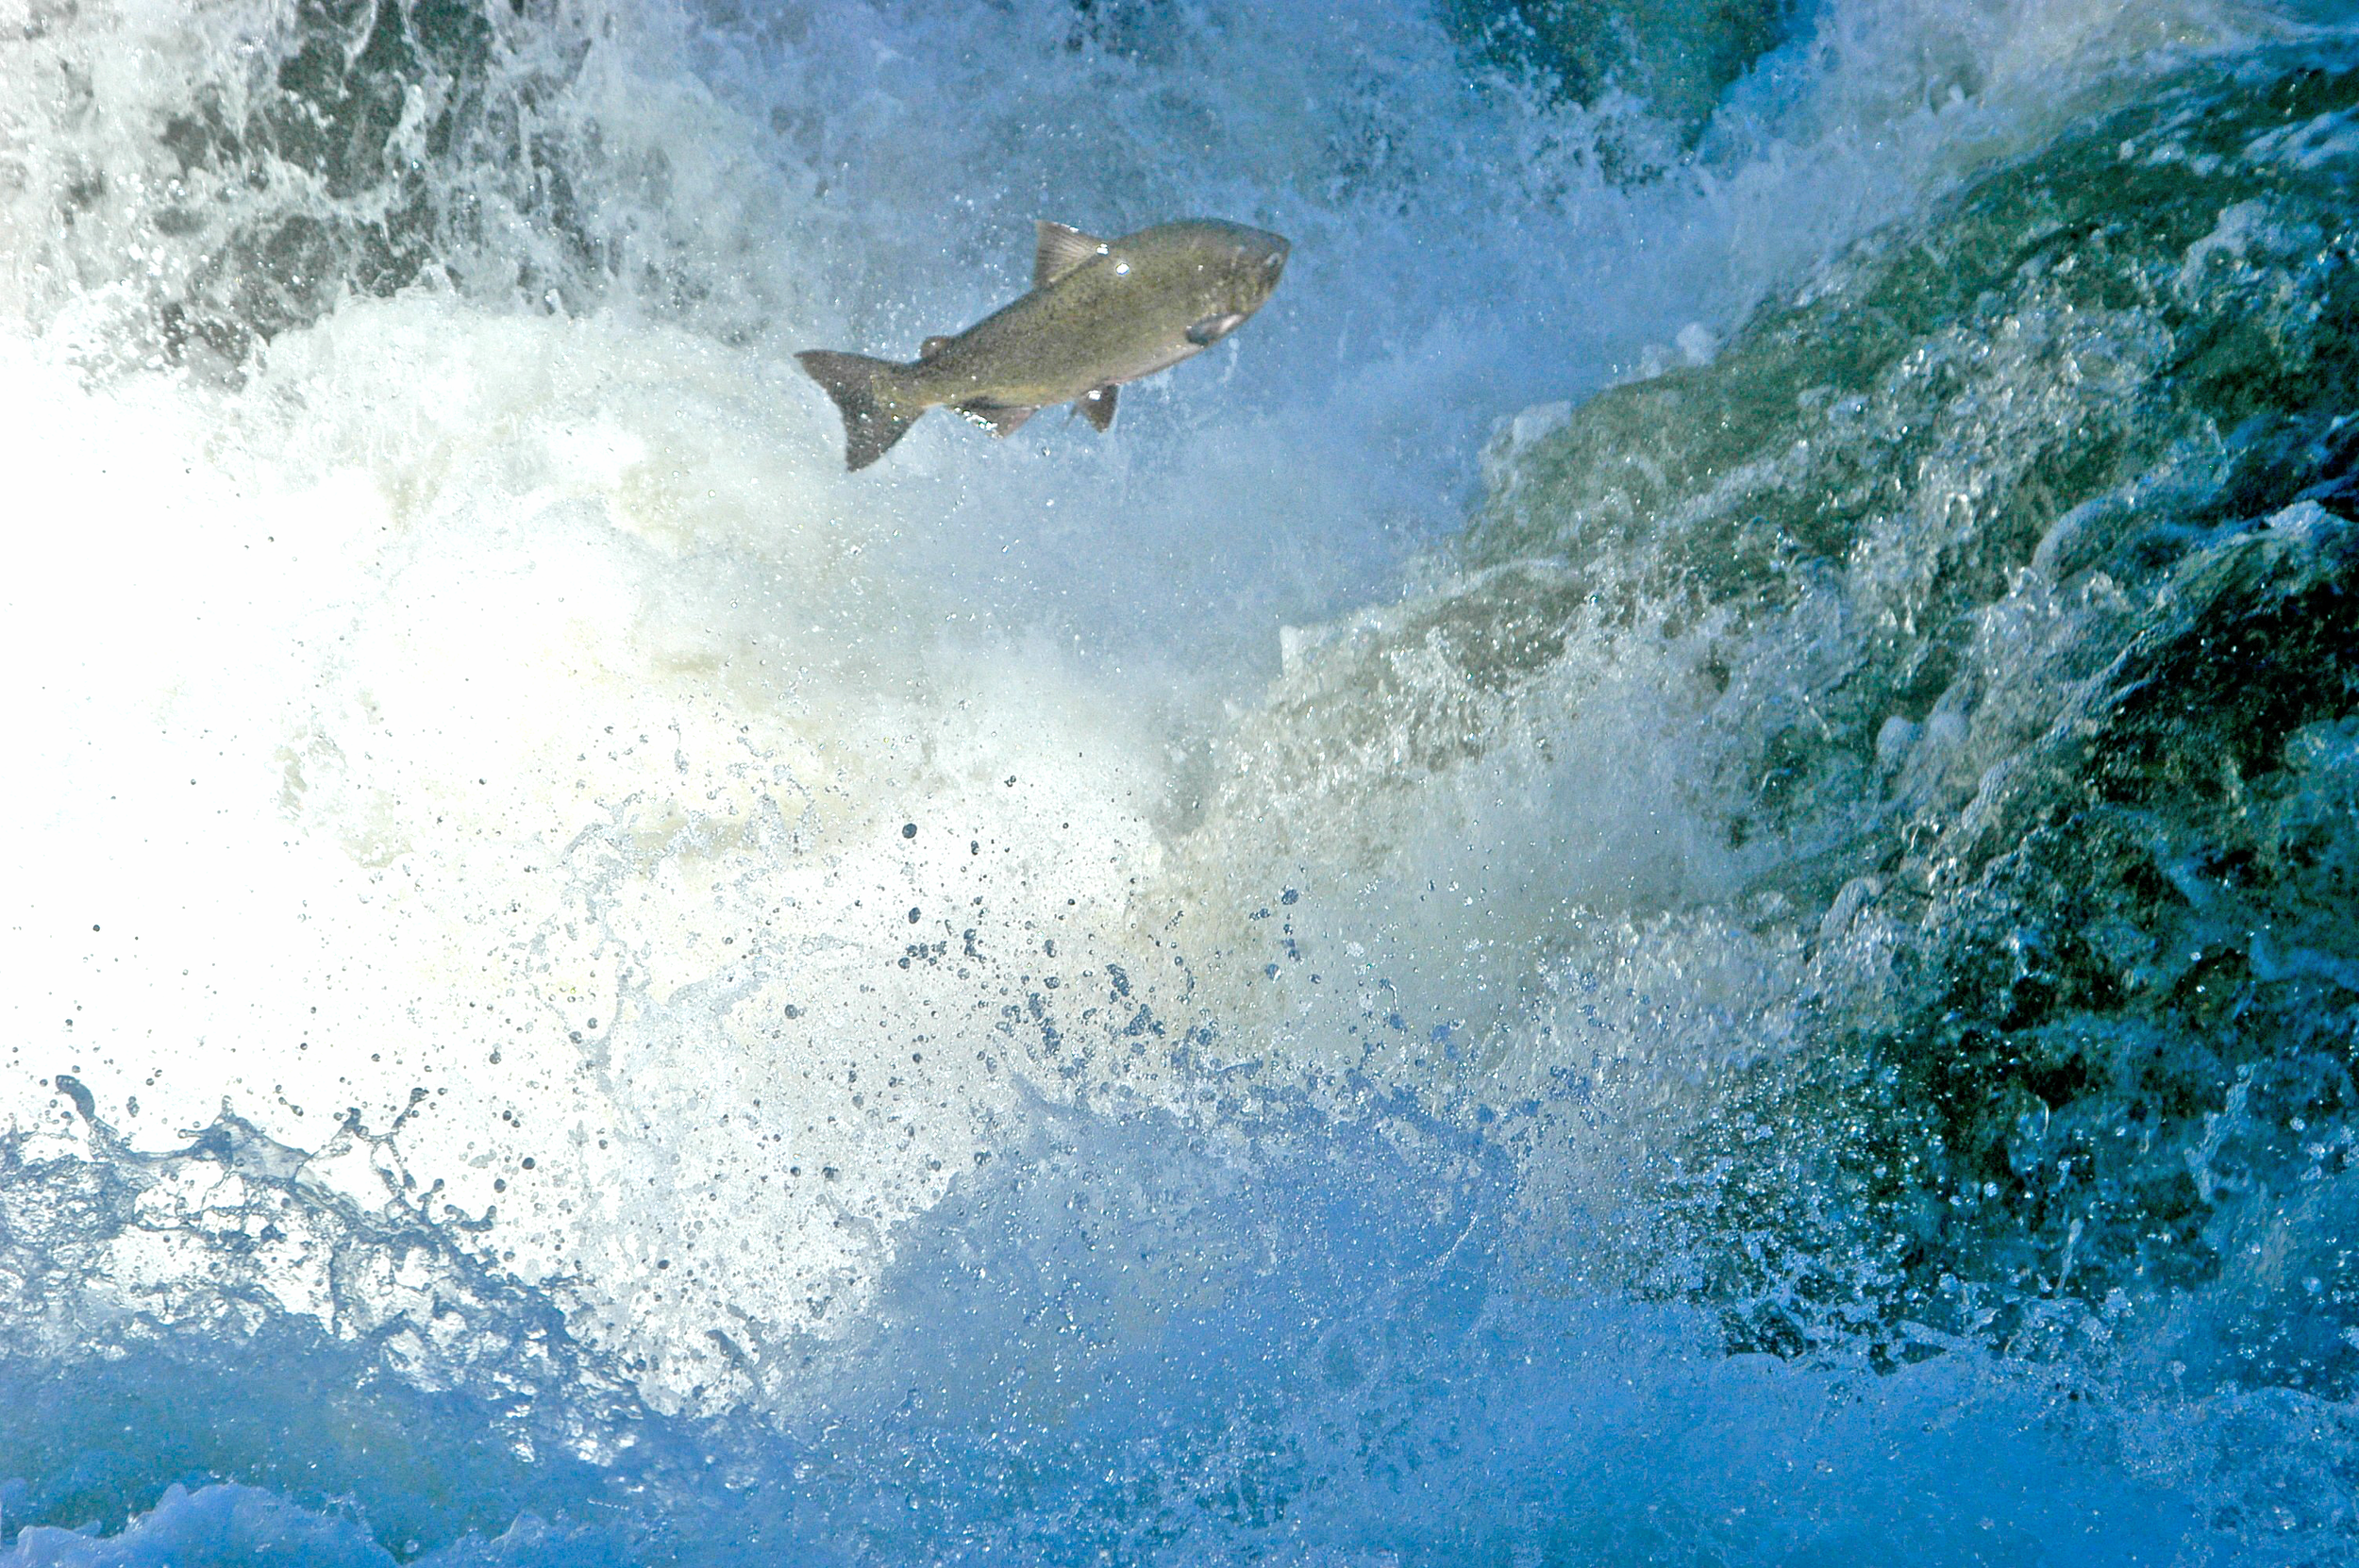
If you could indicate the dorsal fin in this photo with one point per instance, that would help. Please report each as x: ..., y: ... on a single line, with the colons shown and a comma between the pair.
x: 1058, y: 250
x: 933, y: 345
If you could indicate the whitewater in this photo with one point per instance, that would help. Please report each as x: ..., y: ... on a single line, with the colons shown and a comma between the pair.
x: 1660, y: 873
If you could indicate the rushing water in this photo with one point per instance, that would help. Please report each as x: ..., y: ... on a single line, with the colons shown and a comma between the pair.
x: 1662, y: 874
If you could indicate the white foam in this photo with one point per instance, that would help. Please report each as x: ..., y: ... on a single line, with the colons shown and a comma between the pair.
x: 475, y: 676
x: 538, y: 742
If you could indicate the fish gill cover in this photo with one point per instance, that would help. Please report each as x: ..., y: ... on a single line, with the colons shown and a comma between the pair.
x: 1753, y: 966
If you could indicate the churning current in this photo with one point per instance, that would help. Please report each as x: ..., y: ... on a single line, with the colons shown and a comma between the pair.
x: 1662, y: 874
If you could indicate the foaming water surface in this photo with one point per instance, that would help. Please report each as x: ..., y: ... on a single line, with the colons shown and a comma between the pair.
x: 584, y: 986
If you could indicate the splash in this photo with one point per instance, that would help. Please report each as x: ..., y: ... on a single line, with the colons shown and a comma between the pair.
x: 1150, y: 996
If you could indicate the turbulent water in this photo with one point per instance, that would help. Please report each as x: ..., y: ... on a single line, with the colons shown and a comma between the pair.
x: 1664, y: 874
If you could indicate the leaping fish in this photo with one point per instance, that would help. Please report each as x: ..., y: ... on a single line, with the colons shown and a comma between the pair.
x: 1101, y: 313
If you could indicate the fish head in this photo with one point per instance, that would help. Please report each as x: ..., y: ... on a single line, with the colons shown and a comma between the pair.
x: 1222, y: 269
x: 1250, y: 260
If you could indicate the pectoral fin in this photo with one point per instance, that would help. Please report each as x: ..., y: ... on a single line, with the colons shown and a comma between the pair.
x: 1058, y: 250
x: 1211, y: 329
x: 1003, y: 421
x: 1097, y: 407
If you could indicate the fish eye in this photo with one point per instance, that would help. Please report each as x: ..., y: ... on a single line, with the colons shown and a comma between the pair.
x: 1122, y: 269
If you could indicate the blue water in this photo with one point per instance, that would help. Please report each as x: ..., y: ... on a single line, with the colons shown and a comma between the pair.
x: 1660, y: 875
x: 1124, y: 1343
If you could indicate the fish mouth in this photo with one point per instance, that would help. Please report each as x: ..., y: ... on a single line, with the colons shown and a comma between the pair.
x: 1263, y: 273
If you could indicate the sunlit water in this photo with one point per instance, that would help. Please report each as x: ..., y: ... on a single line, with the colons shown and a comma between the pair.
x: 1660, y: 875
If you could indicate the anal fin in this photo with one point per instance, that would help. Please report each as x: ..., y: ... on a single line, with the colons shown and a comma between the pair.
x: 1000, y: 419
x: 1097, y: 405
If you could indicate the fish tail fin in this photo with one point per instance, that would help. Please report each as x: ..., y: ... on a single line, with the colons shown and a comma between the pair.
x: 876, y: 412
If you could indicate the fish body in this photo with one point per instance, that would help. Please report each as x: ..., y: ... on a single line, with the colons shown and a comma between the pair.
x: 1101, y: 313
